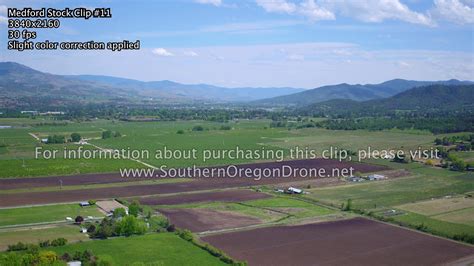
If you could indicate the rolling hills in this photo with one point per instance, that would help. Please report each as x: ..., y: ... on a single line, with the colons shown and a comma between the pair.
x: 20, y: 84
x: 355, y: 92
x: 424, y: 99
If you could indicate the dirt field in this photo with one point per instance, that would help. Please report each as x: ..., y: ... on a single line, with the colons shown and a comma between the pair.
x: 51, y: 181
x: 348, y: 242
x: 31, y: 198
x: 225, y: 196
x: 201, y: 220
x: 87, y: 179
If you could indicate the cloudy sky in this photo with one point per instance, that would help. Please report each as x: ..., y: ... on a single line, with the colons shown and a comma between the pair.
x: 298, y: 43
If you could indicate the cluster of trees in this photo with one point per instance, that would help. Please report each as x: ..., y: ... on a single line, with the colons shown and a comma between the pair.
x: 31, y: 254
x: 125, y: 226
x: 120, y: 224
x: 455, y: 163
x: 59, y: 139
x: 46, y: 243
x: 110, y: 134
x: 29, y: 257
x: 127, y: 111
x: 86, y: 257
x: 462, y: 142
x: 56, y: 139
x: 437, y: 125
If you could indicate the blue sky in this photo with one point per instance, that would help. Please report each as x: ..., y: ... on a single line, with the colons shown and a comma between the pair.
x: 298, y: 43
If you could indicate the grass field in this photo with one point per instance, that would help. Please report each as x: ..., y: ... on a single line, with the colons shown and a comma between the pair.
x: 70, y: 232
x: 426, y: 184
x: 454, y: 210
x: 439, y: 206
x: 319, y: 139
x: 42, y: 214
x: 17, y: 157
x: 152, y: 249
x: 464, y: 216
x: 437, y: 226
x: 280, y: 209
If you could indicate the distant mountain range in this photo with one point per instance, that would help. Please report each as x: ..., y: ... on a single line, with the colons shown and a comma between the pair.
x: 19, y: 81
x: 353, y: 92
x: 437, y: 97
x: 196, y: 92
x: 25, y: 87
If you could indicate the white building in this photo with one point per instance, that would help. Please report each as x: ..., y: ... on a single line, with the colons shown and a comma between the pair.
x: 376, y: 177
x: 295, y: 190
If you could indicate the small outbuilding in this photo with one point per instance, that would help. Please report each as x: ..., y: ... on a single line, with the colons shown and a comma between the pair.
x: 295, y: 190
x: 84, y: 204
x: 376, y: 177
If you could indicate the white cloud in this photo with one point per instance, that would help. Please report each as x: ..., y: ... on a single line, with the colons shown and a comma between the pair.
x: 364, y: 10
x: 161, y: 52
x: 311, y: 10
x: 460, y: 12
x: 307, y: 8
x: 190, y: 53
x: 277, y: 6
x: 377, y: 11
x: 210, y: 2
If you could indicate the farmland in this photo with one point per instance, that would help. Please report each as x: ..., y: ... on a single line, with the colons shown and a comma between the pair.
x: 17, y: 157
x: 44, y: 214
x: 33, y: 235
x: 218, y: 209
x: 161, y: 249
x: 358, y: 241
x: 227, y: 196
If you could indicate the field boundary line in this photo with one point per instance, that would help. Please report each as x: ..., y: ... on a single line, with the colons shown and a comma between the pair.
x: 135, y: 160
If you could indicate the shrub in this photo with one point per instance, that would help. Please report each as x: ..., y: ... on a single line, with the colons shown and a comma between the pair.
x: 130, y: 225
x: 198, y: 128
x: 79, y: 219
x: 45, y: 243
x: 171, y: 228
x: 47, y: 257
x: 106, y: 134
x: 225, y: 128
x: 66, y: 257
x: 75, y: 137
x: 56, y: 139
x: 91, y: 229
x: 180, y: 132
x: 185, y: 234
x: 348, y: 205
x: 119, y: 212
x: 134, y: 208
x: 59, y: 242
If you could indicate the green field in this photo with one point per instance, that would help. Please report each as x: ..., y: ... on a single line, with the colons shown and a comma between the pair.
x: 17, y: 157
x: 33, y: 236
x: 156, y: 249
x: 281, y: 209
x: 439, y: 206
x: 43, y: 214
x: 427, y: 183
x: 439, y: 227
